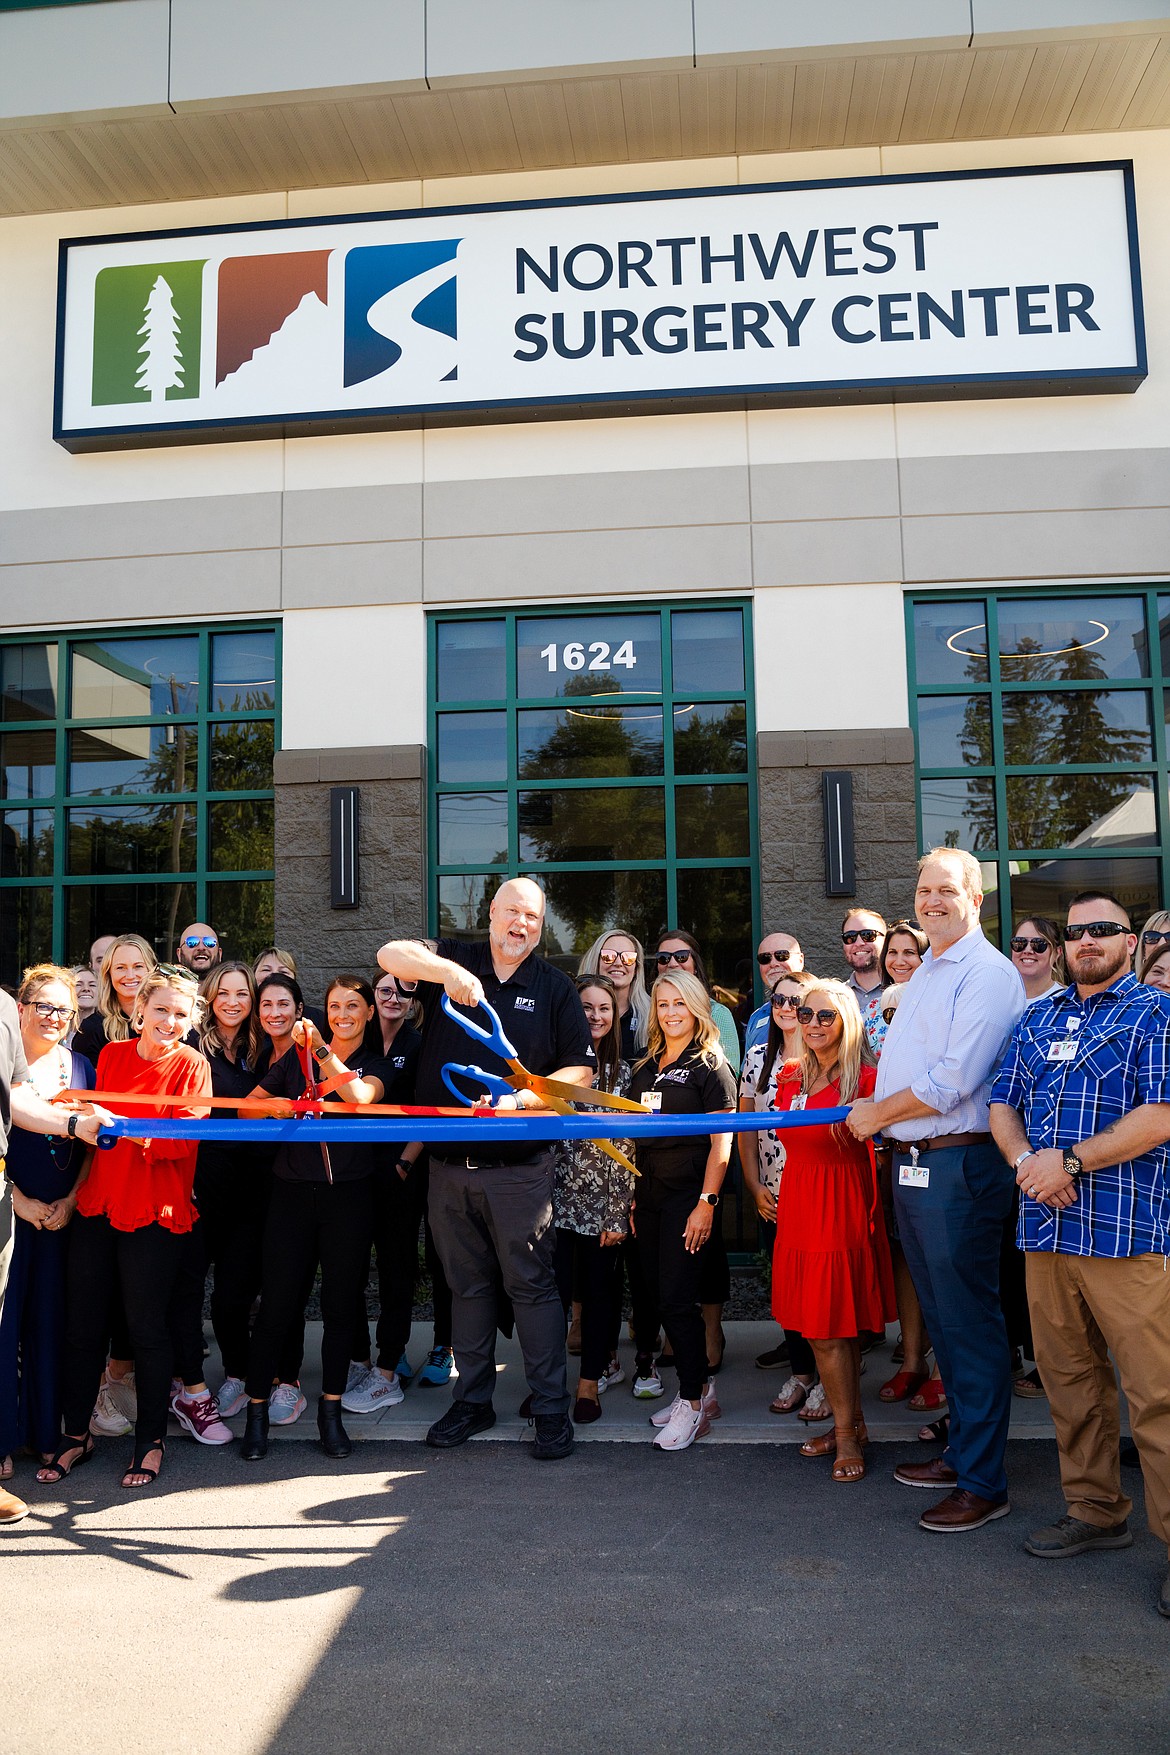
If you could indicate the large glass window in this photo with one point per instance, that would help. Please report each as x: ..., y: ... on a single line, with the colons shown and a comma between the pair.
x: 136, y: 789
x: 606, y: 752
x: 1041, y: 743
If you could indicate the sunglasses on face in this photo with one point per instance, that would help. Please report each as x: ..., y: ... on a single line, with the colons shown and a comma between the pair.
x: 1030, y: 944
x: 623, y: 959
x: 779, y: 999
x: 665, y: 958
x: 44, y: 1010
x: 194, y: 943
x: 867, y: 933
x: 805, y: 1015
x: 763, y: 958
x: 1095, y: 929
x: 1156, y: 938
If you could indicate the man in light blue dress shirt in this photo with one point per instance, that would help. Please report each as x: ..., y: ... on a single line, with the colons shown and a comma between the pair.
x: 952, y: 1188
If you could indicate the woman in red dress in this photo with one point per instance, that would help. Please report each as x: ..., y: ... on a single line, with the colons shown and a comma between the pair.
x: 831, y: 1276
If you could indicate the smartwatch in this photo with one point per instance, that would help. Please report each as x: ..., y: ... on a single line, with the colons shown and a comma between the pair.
x: 71, y: 1128
x: 322, y: 1053
x: 712, y: 1200
x: 1072, y: 1164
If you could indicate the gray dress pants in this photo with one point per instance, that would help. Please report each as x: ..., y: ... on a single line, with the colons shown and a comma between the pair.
x: 490, y: 1225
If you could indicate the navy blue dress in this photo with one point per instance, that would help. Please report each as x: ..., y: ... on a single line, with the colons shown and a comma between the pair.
x: 32, y: 1327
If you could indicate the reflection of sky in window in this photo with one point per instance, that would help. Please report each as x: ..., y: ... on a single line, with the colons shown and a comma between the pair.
x: 129, y: 678
x: 707, y: 650
x: 470, y: 661
x: 243, y: 670
x: 473, y: 828
x: 1061, y: 638
x: 958, y: 813
x: 600, y: 638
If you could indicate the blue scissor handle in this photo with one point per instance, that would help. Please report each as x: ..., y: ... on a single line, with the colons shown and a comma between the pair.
x: 495, y: 1087
x: 493, y: 1038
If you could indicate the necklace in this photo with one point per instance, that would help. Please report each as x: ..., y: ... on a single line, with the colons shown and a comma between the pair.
x: 64, y: 1071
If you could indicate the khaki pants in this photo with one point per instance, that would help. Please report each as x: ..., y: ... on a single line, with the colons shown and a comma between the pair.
x: 1083, y: 1308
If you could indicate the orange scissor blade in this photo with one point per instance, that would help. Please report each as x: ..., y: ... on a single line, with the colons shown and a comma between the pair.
x: 525, y: 1081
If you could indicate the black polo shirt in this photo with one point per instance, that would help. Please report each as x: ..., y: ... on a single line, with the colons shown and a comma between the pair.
x: 542, y: 1017
x: 688, y: 1086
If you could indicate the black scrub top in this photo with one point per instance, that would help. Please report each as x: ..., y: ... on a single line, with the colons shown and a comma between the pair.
x: 689, y: 1086
x: 304, y: 1163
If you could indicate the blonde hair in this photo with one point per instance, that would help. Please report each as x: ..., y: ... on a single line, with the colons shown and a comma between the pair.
x: 284, y: 958
x: 970, y: 867
x: 697, y: 1001
x: 853, y: 1051
x: 40, y: 975
x: 210, y: 1040
x: 168, y: 975
x: 640, y: 1008
x: 118, y: 1027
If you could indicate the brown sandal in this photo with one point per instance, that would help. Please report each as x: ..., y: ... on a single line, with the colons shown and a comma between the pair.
x: 855, y: 1465
x: 825, y: 1444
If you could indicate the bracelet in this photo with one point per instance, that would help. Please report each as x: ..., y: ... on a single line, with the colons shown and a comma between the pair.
x: 1030, y: 1153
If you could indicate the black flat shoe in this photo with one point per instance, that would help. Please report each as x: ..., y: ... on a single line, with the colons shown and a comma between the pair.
x: 586, y: 1411
x: 461, y: 1422
x: 255, y: 1444
x: 335, y: 1440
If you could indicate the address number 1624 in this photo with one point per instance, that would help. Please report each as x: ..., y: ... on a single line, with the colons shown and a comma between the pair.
x: 598, y: 655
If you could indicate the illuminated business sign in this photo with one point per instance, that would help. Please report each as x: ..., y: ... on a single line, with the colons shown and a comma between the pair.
x: 957, y: 284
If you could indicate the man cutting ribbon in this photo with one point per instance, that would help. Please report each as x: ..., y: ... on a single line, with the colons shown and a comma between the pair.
x: 490, y: 1200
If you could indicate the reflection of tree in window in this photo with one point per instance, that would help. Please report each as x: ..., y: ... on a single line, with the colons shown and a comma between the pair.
x: 1085, y: 736
x: 706, y: 744
x: 470, y: 913
x: 606, y: 743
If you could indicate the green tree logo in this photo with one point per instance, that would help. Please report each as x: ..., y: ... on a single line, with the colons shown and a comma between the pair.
x: 147, y: 323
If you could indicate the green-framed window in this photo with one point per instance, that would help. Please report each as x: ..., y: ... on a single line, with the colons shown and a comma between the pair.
x: 136, y: 787
x: 608, y: 751
x: 1040, y: 727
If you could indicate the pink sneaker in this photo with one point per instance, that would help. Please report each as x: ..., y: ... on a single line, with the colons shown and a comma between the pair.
x: 199, y: 1415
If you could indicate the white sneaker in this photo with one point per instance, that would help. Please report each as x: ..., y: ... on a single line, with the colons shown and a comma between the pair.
x: 116, y: 1408
x: 373, y: 1393
x: 232, y: 1397
x: 613, y: 1373
x: 684, y: 1426
x: 647, y: 1385
x: 286, y: 1404
x: 711, y: 1408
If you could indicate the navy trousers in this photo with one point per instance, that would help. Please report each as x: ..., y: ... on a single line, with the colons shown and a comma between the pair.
x: 951, y: 1232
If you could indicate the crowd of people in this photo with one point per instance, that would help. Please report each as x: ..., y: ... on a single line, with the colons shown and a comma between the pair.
x: 992, y: 1174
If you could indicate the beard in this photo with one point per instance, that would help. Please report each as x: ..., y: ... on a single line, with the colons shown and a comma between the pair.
x: 1102, y: 967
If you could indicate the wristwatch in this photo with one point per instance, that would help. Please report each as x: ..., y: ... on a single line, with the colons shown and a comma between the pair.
x: 1072, y: 1164
x: 71, y: 1128
x: 712, y: 1200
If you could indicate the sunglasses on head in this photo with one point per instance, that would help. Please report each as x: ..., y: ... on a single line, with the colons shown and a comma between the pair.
x: 805, y: 1015
x: 665, y: 958
x: 193, y: 943
x: 1030, y: 944
x: 1095, y: 929
x: 763, y: 958
x: 868, y: 933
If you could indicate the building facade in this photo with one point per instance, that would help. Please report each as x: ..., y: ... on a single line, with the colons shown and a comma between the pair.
x: 618, y: 646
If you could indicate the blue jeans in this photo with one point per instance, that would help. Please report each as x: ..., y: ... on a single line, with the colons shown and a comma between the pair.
x: 951, y: 1233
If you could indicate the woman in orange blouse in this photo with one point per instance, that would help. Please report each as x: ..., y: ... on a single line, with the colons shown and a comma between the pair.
x: 132, y: 1215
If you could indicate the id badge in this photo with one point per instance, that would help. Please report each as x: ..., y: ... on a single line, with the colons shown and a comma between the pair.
x: 799, y: 1101
x: 913, y: 1174
x: 652, y: 1100
x: 1065, y: 1050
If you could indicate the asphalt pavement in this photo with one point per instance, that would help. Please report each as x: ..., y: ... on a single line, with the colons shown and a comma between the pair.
x: 728, y: 1598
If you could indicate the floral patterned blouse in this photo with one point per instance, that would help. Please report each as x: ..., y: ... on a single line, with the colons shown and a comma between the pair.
x: 592, y: 1193
x: 771, y: 1146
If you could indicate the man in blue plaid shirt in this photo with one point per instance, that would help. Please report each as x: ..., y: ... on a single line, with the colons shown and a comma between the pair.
x: 1081, y: 1111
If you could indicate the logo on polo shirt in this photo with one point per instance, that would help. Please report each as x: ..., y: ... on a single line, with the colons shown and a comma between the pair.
x: 519, y: 1004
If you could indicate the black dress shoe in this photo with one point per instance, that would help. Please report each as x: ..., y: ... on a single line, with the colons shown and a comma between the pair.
x: 255, y: 1445
x: 554, y: 1437
x: 461, y: 1422
x: 335, y: 1440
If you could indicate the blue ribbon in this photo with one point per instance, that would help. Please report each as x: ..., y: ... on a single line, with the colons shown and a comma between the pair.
x: 312, y: 1130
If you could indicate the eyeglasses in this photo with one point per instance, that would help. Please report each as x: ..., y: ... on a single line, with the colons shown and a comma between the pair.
x: 779, y: 999
x: 763, y: 958
x: 868, y: 933
x: 805, y: 1015
x: 665, y: 958
x: 1095, y: 929
x: 1156, y: 938
x: 44, y: 1010
x: 193, y: 943
x: 1030, y: 944
x: 623, y: 959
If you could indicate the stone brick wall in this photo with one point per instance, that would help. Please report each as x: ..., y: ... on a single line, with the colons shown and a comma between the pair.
x: 392, y: 851
x: 792, y: 862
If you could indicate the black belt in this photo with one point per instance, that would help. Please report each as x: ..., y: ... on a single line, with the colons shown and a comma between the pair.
x: 943, y: 1142
x: 489, y: 1163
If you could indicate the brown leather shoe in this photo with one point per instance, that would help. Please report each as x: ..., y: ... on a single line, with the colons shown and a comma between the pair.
x: 961, y: 1510
x: 12, y: 1509
x: 934, y: 1474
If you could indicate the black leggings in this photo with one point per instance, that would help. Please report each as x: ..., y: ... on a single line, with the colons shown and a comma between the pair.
x: 581, y: 1262
x: 147, y: 1263
x: 644, y: 1318
x: 234, y: 1209
x: 399, y: 1207
x: 674, y: 1278
x: 307, y: 1223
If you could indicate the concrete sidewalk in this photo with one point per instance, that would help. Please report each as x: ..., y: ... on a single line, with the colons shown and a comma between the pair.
x: 744, y: 1394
